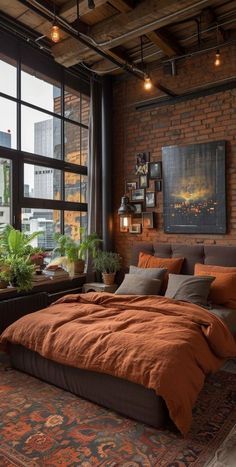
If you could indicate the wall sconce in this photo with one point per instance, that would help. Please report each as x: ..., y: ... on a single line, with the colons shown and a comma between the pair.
x: 125, y: 212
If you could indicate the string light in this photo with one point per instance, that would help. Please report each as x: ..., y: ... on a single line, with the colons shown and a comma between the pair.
x: 217, y: 58
x: 147, y: 83
x: 55, y: 33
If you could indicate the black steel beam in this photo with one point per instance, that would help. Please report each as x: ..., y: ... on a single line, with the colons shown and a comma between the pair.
x: 161, y: 102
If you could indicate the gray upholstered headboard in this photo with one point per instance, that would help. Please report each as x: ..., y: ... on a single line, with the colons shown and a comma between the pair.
x: 207, y: 254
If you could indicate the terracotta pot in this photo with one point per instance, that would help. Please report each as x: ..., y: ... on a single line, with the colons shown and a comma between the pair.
x: 108, y: 278
x: 75, y: 267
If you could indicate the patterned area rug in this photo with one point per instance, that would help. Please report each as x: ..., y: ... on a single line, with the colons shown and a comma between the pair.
x: 41, y: 425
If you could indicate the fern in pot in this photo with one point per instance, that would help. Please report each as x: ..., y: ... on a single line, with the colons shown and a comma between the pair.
x: 108, y: 263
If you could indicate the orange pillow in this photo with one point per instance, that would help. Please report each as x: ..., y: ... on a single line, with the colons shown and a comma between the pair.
x: 209, y: 269
x: 172, y: 265
x: 223, y: 288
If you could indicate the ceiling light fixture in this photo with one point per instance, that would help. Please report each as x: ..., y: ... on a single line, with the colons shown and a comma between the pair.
x: 217, y: 61
x: 91, y: 4
x: 147, y: 83
x: 217, y: 58
x: 55, y: 32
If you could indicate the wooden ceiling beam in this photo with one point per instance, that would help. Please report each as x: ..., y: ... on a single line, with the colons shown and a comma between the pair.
x: 68, y: 11
x: 113, y: 30
x: 124, y: 6
x: 169, y: 45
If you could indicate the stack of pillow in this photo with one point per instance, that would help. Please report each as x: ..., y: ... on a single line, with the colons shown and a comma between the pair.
x: 161, y: 276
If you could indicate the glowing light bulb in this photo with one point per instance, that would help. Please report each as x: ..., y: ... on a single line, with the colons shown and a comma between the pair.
x: 217, y: 59
x: 147, y: 83
x: 55, y: 33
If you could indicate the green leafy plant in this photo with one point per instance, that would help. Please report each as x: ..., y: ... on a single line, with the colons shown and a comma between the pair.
x: 15, y: 252
x: 18, y: 271
x: 16, y: 243
x: 74, y: 251
x: 107, y: 262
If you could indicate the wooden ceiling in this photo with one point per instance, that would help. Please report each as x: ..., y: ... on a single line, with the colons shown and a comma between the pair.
x: 115, y: 29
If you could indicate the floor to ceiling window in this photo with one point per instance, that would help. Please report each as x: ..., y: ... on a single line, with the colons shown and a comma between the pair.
x: 44, y: 113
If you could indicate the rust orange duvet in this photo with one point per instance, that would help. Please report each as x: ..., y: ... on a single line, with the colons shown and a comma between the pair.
x: 162, y: 344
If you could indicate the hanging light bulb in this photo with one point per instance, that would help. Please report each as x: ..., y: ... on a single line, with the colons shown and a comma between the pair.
x: 217, y: 58
x: 147, y: 83
x: 55, y: 33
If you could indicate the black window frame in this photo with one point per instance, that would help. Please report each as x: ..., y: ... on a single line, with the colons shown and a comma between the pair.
x: 18, y: 157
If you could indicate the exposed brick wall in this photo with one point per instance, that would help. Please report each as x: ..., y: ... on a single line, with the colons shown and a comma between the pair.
x: 199, y: 120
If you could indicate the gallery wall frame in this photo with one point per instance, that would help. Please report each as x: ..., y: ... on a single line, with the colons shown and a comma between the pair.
x: 194, y: 188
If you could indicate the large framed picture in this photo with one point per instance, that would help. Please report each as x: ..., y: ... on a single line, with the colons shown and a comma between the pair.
x: 194, y: 188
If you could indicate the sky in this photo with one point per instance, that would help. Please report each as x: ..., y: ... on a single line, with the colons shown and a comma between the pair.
x: 36, y: 92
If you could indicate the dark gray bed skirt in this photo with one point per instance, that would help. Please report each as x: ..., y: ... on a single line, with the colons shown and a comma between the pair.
x: 129, y: 399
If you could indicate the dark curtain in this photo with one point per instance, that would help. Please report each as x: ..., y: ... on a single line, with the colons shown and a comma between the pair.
x: 94, y: 167
x: 95, y: 161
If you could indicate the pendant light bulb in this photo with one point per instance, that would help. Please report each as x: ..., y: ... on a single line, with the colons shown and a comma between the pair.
x: 217, y: 58
x: 147, y: 83
x: 55, y: 33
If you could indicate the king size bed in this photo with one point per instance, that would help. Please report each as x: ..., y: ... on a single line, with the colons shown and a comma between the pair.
x: 143, y: 356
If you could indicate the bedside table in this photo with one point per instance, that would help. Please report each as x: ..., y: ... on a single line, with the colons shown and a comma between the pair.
x: 99, y: 287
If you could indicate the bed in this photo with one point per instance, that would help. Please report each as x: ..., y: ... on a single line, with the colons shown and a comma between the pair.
x: 127, y: 397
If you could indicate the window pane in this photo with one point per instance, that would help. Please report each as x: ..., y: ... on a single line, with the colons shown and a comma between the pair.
x: 72, y: 104
x: 75, y: 187
x: 42, y: 182
x: 8, y: 78
x: 72, y: 143
x: 5, y: 191
x: 40, y: 133
x: 76, y: 144
x: 38, y: 91
x: 43, y: 220
x: 7, y: 123
x: 84, y: 146
x: 73, y: 220
x: 85, y: 108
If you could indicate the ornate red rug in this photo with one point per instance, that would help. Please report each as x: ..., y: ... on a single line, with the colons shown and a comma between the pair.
x: 41, y: 425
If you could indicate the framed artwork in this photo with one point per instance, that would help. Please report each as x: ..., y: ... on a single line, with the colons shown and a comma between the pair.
x: 130, y: 186
x: 143, y: 181
x: 155, y: 170
x: 135, y: 228
x: 158, y: 185
x: 150, y: 199
x: 148, y: 220
x: 138, y: 195
x: 141, y: 165
x: 138, y: 209
x: 194, y: 188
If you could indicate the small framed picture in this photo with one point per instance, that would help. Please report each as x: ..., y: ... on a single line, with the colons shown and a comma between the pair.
x: 141, y: 165
x: 150, y: 199
x: 143, y: 181
x: 158, y: 185
x: 155, y: 170
x: 135, y: 228
x: 138, y: 195
x: 148, y: 220
x: 138, y: 209
x: 130, y: 185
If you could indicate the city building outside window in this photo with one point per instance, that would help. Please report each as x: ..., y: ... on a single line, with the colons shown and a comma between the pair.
x: 43, y: 150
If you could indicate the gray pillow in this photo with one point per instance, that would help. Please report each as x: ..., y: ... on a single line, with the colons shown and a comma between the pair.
x: 227, y: 315
x: 152, y: 273
x: 135, y: 284
x: 194, y: 289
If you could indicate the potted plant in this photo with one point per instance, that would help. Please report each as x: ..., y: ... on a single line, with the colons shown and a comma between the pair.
x: 16, y: 268
x: 74, y: 254
x: 108, y: 263
x: 18, y: 272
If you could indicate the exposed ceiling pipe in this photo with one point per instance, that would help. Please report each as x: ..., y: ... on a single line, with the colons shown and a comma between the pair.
x: 130, y: 68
